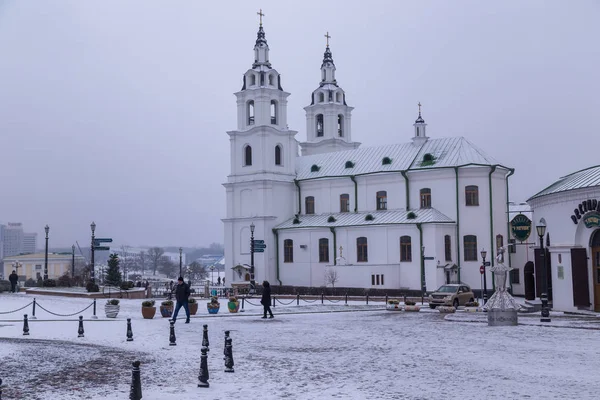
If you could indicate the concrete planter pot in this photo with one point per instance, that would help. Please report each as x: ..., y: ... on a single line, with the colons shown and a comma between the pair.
x: 166, y: 311
x: 148, y: 312
x: 193, y: 308
x: 393, y: 307
x: 446, y: 309
x: 111, y: 310
x: 414, y: 308
x: 472, y: 309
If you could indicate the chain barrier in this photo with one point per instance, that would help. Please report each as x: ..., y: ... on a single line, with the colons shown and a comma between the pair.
x: 333, y: 301
x: 64, y: 315
x: 308, y: 301
x: 249, y: 302
x: 18, y: 309
x: 285, y: 304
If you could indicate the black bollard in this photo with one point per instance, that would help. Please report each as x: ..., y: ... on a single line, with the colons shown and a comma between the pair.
x: 0, y: 389
x: 172, y: 335
x: 129, y: 331
x: 225, y: 346
x: 228, y: 356
x: 205, y: 337
x: 80, y: 331
x: 297, y: 299
x: 25, y: 326
x: 135, y: 393
x: 203, y: 375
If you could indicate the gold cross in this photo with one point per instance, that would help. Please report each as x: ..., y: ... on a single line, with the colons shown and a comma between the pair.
x: 260, y: 13
x: 419, y: 108
x: 328, y: 37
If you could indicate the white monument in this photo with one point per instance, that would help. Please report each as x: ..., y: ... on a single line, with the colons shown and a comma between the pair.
x: 501, y: 307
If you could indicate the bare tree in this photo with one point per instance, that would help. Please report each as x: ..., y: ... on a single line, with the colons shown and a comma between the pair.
x: 155, y: 255
x: 197, y: 271
x: 331, y: 277
x: 167, y: 267
x: 142, y: 261
x: 127, y: 261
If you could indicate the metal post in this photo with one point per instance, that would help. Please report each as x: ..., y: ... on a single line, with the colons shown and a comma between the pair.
x: 92, y: 272
x: 180, y: 262
x: 47, y: 229
x: 228, y: 356
x: 346, y: 298
x: 172, y: 334
x: 205, y: 342
x: 544, y: 297
x: 94, y: 316
x: 80, y: 330
x: 135, y: 392
x: 322, y: 297
x: 298, y: 299
x: 33, y: 310
x: 252, y: 282
x: 129, y: 331
x: 225, y: 345
x: 25, y: 326
x: 203, y: 375
x: 484, y: 283
x: 73, y: 262
x: 243, y: 300
x: 367, y: 299
x: 273, y: 301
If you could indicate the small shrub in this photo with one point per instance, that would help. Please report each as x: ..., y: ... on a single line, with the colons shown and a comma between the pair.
x: 64, y: 281
x: 409, y: 303
x: 39, y: 282
x: 124, y: 286
x: 167, y: 303
x: 49, y: 283
x: 191, y: 300
x: 113, y: 302
x: 148, y: 303
x: 232, y: 298
x: 91, y: 287
x: 393, y: 301
x: 30, y: 282
x: 130, y: 284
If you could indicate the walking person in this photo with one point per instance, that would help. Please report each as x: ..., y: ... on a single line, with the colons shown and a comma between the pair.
x: 13, y: 278
x: 182, y: 293
x: 266, y: 299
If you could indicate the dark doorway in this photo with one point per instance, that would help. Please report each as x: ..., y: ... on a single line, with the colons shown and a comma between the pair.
x: 539, y: 262
x: 529, y: 281
x: 579, y: 271
x: 595, y: 244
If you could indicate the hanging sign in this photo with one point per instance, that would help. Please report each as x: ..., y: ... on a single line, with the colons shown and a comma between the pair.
x: 520, y: 227
x: 591, y: 219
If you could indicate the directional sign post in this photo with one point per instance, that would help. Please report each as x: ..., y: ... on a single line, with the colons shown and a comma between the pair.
x: 101, y: 248
x: 259, y: 246
x: 428, y: 258
x: 487, y: 263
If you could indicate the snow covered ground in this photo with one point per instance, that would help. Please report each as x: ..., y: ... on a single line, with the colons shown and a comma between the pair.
x: 306, y: 352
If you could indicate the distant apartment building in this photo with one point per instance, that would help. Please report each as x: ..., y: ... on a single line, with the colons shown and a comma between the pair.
x: 29, y: 243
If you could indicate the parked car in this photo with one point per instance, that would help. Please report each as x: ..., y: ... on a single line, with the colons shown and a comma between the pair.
x: 451, y: 295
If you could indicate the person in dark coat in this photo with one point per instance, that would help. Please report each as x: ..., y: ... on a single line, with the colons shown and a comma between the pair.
x: 182, y: 293
x: 13, y: 278
x: 266, y: 299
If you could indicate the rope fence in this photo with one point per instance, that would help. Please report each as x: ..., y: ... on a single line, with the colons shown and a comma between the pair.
x: 18, y: 309
x: 64, y: 315
x: 34, y: 303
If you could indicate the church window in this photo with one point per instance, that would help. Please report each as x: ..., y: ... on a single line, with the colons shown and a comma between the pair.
x: 499, y: 242
x: 418, y: 131
x: 273, y: 112
x: 344, y: 202
x: 320, y: 124
x: 472, y: 195
x: 278, y: 155
x: 405, y: 249
x: 426, y: 198
x: 382, y: 200
x: 250, y: 112
x: 271, y: 80
x: 262, y: 79
x: 470, y: 245
x: 247, y: 155
x: 514, y: 276
x: 252, y: 80
x: 288, y: 250
x: 338, y: 97
x: 309, y: 203
x: 340, y: 125
x: 362, y: 250
x: 321, y: 97
x: 448, y: 247
x: 323, y: 250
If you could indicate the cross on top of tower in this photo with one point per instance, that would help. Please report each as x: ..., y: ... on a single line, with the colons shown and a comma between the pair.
x: 419, y: 108
x: 260, y: 14
x: 328, y: 37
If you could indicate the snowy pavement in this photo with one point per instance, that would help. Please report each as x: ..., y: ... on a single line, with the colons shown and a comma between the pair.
x: 306, y: 352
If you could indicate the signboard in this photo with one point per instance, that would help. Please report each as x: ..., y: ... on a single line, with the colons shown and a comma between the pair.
x: 591, y: 206
x: 259, y: 250
x: 481, y: 270
x: 520, y: 227
x: 256, y: 241
x: 487, y: 263
x: 428, y: 258
x: 591, y: 219
x: 100, y: 248
x: 102, y: 240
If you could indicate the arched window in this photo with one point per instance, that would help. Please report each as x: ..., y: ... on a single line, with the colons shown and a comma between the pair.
x: 338, y: 97
x: 247, y: 155
x: 472, y: 195
x: 470, y: 247
x: 362, y: 250
x: 321, y: 97
x: 426, y: 198
x: 278, y: 155
x: 448, y: 247
x: 340, y: 125
x: 320, y: 124
x: 250, y: 112
x: 382, y: 200
x: 405, y: 249
x: 288, y: 250
x: 273, y: 112
x: 323, y: 250
x: 344, y: 202
x: 418, y: 131
x: 252, y: 80
x: 309, y: 203
x: 271, y: 80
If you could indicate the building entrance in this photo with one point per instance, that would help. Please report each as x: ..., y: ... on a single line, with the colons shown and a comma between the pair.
x: 595, y: 244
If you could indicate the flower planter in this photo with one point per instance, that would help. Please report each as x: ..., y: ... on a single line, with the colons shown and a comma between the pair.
x: 233, y: 306
x: 414, y: 308
x: 193, y: 308
x: 148, y: 312
x: 446, y: 309
x: 212, y: 309
x: 393, y: 307
x: 111, y: 310
x: 166, y: 311
x: 471, y: 309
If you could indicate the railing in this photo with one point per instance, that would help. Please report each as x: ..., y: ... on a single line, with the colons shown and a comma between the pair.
x: 35, y: 304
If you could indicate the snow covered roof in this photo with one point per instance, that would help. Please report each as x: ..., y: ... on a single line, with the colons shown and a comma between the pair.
x: 434, y: 153
x: 388, y: 217
x: 589, y: 177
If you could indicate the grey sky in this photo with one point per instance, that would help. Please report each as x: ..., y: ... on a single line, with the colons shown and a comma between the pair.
x: 116, y: 111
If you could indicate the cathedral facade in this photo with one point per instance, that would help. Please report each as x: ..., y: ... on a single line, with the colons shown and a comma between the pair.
x: 409, y: 216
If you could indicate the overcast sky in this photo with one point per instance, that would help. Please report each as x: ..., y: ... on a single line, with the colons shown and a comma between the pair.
x: 116, y: 111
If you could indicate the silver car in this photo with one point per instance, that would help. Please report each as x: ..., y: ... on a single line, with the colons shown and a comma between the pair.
x: 451, y: 295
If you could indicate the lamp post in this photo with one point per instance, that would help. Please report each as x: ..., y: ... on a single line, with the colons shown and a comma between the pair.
x: 47, y: 229
x: 541, y: 231
x: 92, y: 272
x: 212, y: 275
x: 180, y: 255
x: 16, y: 265
x: 483, y: 255
x: 252, y: 283
x: 73, y: 261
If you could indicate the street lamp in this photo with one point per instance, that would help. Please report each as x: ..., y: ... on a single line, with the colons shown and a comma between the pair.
x: 483, y: 255
x: 252, y: 283
x: 73, y: 261
x: 541, y: 231
x: 92, y: 272
x: 212, y: 276
x: 180, y: 254
x: 47, y: 229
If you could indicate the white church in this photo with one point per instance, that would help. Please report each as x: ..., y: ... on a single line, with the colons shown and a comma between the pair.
x: 409, y: 216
